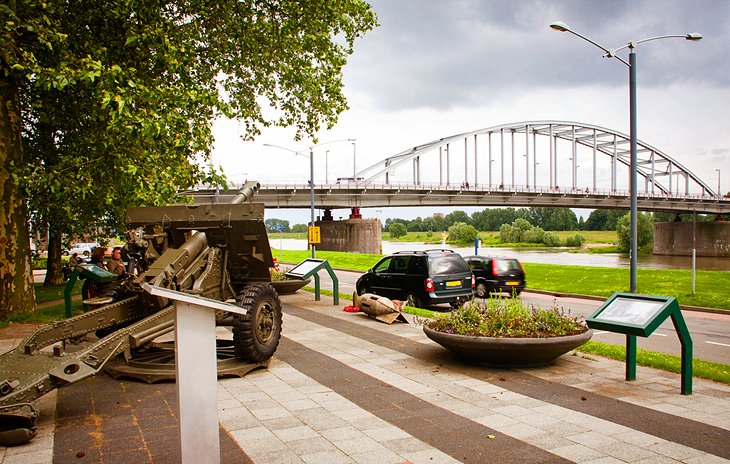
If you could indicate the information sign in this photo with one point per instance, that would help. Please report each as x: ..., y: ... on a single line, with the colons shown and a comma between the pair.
x: 640, y: 315
x: 309, y: 268
x: 314, y: 235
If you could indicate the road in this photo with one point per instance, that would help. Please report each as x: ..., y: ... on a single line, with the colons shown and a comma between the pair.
x: 710, y: 332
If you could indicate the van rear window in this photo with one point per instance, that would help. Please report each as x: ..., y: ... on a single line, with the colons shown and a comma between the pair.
x: 507, y: 265
x: 450, y: 264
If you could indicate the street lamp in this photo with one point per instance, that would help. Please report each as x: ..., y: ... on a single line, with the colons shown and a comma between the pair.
x: 611, y: 53
x: 719, y: 194
x: 311, y: 176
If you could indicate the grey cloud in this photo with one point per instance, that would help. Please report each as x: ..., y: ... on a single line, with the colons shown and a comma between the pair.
x: 430, y: 53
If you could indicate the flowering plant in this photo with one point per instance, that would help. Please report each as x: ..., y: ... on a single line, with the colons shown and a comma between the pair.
x: 508, y: 318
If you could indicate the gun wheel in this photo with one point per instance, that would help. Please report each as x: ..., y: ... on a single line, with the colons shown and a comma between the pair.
x: 256, y: 334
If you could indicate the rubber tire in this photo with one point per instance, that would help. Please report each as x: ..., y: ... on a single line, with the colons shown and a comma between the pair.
x: 481, y: 290
x: 416, y: 301
x: 455, y: 305
x: 256, y: 334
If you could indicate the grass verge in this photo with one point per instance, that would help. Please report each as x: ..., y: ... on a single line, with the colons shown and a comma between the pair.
x: 711, y: 286
x: 703, y: 369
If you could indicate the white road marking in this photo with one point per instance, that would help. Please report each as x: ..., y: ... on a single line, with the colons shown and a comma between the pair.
x: 716, y: 343
x: 659, y: 335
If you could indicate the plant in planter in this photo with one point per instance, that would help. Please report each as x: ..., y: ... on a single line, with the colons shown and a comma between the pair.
x: 504, y: 332
x: 283, y: 284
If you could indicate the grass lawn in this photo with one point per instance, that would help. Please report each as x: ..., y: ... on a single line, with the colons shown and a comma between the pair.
x: 712, y: 287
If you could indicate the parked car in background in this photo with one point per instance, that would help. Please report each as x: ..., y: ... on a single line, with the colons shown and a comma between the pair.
x: 83, y: 249
x: 496, y: 275
x: 422, y: 277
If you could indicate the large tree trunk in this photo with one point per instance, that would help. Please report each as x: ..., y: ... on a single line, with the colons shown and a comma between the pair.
x: 16, y: 277
x: 53, y: 266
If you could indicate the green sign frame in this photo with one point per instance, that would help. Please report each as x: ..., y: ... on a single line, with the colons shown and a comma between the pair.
x: 640, y: 315
x: 309, y: 268
x: 91, y: 273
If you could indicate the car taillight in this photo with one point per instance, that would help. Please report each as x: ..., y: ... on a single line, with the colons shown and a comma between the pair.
x: 473, y: 281
x: 428, y: 284
x: 494, y: 267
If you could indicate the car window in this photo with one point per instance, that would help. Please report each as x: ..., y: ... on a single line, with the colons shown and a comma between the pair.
x: 476, y: 264
x: 418, y: 266
x: 400, y: 264
x: 448, y: 264
x: 503, y: 265
x: 383, y: 265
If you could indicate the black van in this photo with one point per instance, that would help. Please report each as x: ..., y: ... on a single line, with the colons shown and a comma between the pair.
x: 423, y: 277
x: 496, y: 275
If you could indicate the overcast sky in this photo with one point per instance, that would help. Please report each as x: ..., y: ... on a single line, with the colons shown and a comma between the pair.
x: 435, y: 68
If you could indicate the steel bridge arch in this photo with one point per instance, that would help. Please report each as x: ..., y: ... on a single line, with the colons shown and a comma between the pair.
x: 652, y: 164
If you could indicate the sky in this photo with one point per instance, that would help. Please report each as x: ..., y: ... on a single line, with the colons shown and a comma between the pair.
x: 435, y: 68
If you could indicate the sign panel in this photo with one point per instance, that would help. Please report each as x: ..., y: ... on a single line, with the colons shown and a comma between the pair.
x: 305, y: 267
x: 628, y: 311
x: 314, y: 235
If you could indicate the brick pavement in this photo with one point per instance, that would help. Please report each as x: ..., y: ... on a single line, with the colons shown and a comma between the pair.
x: 343, y: 388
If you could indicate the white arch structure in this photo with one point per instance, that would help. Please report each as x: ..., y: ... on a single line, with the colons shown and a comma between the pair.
x: 585, y: 144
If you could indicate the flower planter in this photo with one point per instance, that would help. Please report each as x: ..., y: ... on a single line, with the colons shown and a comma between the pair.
x: 508, y: 352
x: 287, y: 287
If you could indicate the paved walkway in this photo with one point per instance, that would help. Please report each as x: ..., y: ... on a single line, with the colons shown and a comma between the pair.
x: 344, y: 388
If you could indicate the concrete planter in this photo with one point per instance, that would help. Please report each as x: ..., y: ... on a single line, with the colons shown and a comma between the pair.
x: 287, y: 287
x: 508, y: 352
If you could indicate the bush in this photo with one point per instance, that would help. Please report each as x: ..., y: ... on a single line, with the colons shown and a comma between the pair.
x: 551, y: 239
x: 644, y: 232
x: 462, y: 232
x: 397, y: 229
x: 510, y: 318
x: 575, y: 241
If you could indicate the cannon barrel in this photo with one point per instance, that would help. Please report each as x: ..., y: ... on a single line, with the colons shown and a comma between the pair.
x: 248, y: 190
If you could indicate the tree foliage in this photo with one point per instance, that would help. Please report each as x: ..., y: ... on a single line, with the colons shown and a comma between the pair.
x: 118, y: 97
x: 644, y: 231
x: 272, y: 225
x: 462, y: 232
x: 397, y: 229
x: 603, y: 219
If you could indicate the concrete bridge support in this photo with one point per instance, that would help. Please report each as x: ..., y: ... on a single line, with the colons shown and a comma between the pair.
x: 354, y: 235
x: 677, y: 238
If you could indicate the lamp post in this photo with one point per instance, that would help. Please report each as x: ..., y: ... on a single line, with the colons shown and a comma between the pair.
x: 311, y: 176
x: 611, y: 53
x: 719, y: 193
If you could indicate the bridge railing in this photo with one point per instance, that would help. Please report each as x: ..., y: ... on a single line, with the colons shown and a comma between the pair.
x: 493, y: 188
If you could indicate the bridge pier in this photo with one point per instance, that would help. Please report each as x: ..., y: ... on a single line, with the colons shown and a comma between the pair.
x: 711, y: 239
x: 355, y: 235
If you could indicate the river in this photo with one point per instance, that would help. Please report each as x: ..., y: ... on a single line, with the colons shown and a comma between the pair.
x: 546, y: 255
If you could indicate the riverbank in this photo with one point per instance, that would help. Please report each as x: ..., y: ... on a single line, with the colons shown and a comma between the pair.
x: 711, y: 287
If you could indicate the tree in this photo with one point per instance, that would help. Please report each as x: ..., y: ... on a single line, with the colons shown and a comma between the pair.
x: 299, y: 228
x: 133, y: 87
x: 603, y: 219
x: 462, y: 232
x: 397, y: 229
x: 272, y: 225
x: 456, y: 217
x: 644, y: 232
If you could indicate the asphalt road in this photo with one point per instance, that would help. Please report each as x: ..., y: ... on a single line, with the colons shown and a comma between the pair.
x: 710, y: 332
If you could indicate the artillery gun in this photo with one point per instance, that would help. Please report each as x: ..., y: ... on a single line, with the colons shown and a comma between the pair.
x: 218, y: 251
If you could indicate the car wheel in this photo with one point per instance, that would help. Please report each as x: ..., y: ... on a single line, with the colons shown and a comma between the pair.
x: 481, y: 290
x: 256, y: 334
x: 413, y: 300
x: 455, y: 304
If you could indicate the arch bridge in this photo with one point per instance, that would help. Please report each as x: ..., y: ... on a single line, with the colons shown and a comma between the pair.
x: 533, y: 163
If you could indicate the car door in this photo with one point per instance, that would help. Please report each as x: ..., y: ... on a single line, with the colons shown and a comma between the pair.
x: 380, y: 277
x: 398, y: 280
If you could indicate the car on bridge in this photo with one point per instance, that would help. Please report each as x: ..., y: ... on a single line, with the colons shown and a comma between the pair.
x: 496, y: 275
x: 422, y: 278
